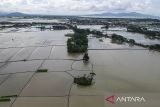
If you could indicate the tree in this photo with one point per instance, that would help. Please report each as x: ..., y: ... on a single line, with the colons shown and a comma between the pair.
x: 86, y: 57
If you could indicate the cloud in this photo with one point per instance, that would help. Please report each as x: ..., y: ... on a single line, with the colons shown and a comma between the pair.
x: 73, y: 6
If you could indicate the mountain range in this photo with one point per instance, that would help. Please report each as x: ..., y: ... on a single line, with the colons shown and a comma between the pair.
x: 110, y: 15
x: 14, y: 14
x: 125, y: 15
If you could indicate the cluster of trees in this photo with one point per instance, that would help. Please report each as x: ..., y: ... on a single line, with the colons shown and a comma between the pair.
x: 17, y: 25
x: 59, y: 27
x: 91, y: 21
x: 155, y: 47
x: 86, y: 57
x: 88, y: 31
x: 150, y: 34
x: 120, y: 39
x: 134, y: 28
x: 106, y: 26
x: 54, y: 27
x: 78, y: 42
x: 97, y: 34
x: 85, y: 80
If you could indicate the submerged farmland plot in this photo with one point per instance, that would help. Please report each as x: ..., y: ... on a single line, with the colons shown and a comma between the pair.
x: 75, y: 66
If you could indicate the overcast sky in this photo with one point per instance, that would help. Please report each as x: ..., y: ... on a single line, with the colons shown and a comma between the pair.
x: 75, y: 7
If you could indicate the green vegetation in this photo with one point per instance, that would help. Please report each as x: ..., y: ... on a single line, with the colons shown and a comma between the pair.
x: 149, y: 34
x: 24, y: 60
x: 86, y: 57
x: 97, y: 33
x: 131, y: 41
x: 42, y: 28
x: 69, y: 35
x: 78, y: 43
x: 106, y: 26
x: 134, y: 28
x: 59, y: 27
x: 84, y: 80
x: 7, y: 99
x: 155, y: 47
x: 118, y: 39
x: 8, y: 96
x: 42, y: 70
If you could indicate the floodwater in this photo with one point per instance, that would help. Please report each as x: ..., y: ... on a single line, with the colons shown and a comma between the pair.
x: 57, y: 65
x: 23, y: 54
x: 41, y: 53
x: 60, y: 52
x: 14, y: 84
x: 41, y: 102
x: 7, y: 54
x: 40, y: 38
x: 105, y: 43
x: 91, y: 27
x: 139, y: 38
x: 118, y: 68
x: 125, y: 71
x: 20, y: 66
x: 48, y: 85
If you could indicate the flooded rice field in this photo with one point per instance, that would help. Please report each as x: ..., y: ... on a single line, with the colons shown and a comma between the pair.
x: 118, y: 68
x: 48, y: 85
x: 105, y: 43
x: 41, y: 38
x: 14, y: 84
x: 41, y: 102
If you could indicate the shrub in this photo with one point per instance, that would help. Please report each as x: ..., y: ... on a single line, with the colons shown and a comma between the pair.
x: 42, y: 70
x: 155, y: 47
x: 5, y: 99
x: 84, y: 80
x: 118, y: 39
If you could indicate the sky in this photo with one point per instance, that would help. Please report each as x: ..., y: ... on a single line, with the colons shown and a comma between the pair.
x: 80, y: 7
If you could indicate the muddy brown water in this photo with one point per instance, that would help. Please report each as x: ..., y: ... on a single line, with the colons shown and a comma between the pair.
x: 117, y: 71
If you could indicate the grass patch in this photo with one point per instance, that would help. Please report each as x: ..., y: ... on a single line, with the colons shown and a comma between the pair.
x: 8, y: 96
x: 42, y: 70
x: 7, y: 99
x: 24, y: 60
x: 69, y: 35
